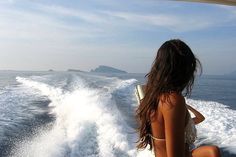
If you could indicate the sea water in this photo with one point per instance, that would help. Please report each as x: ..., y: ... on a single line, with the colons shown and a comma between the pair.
x: 69, y: 114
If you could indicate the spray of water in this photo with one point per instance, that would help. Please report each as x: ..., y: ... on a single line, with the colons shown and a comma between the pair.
x: 90, y: 124
x: 87, y: 124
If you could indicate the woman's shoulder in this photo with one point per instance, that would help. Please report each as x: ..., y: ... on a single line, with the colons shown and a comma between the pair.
x: 171, y: 100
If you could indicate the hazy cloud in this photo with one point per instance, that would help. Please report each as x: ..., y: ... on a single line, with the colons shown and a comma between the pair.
x: 41, y: 34
x: 172, y: 22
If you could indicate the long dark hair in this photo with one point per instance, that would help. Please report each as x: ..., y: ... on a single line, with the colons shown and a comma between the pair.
x: 173, y: 70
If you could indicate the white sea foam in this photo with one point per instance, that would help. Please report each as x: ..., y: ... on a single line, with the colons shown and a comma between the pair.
x: 219, y: 126
x: 90, y: 124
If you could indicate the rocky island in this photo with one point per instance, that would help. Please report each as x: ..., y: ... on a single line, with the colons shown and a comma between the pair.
x: 107, y: 69
x: 75, y: 70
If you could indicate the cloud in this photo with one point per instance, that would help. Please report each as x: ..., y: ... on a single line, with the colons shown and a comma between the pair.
x: 19, y: 24
x: 69, y: 12
x: 57, y: 22
x: 62, y: 34
x: 110, y: 19
x: 230, y: 9
x: 171, y: 22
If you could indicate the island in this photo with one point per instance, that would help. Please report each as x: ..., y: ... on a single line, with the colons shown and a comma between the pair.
x: 75, y: 70
x: 107, y: 69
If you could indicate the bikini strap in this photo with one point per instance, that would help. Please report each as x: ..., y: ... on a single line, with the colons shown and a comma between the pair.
x: 157, y: 139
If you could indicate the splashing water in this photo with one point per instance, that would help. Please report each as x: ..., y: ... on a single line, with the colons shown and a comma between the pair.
x: 98, y: 121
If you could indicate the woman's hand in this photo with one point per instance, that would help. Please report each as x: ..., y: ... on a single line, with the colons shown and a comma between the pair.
x: 198, y: 116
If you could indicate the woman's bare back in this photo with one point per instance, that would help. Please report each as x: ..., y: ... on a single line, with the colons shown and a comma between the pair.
x: 166, y: 104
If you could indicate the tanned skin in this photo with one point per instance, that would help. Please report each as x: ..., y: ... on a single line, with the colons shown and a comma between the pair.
x: 169, y: 123
x: 198, y: 116
x: 170, y: 113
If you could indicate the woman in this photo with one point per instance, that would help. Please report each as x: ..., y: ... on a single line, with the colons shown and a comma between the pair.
x: 165, y: 123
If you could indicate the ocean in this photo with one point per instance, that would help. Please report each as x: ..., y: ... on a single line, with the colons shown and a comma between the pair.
x: 75, y: 114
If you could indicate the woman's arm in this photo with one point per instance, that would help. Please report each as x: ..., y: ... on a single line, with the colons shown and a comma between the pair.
x: 198, y: 116
x: 174, y: 111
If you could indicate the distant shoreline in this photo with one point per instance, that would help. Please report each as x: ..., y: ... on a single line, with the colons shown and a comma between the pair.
x: 76, y: 70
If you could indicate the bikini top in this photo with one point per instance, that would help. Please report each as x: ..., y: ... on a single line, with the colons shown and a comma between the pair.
x: 190, y: 132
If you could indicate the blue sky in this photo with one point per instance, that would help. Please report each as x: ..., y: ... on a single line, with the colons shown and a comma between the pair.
x: 62, y: 34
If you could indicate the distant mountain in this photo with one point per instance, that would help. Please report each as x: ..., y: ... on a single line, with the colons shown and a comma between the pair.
x: 75, y: 70
x: 107, y: 69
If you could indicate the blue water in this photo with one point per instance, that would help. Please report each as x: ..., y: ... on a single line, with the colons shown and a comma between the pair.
x: 68, y: 114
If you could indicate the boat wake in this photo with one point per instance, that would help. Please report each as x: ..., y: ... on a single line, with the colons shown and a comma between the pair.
x: 95, y: 118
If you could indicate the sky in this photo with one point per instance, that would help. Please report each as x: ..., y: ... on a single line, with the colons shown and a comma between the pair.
x: 83, y: 34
